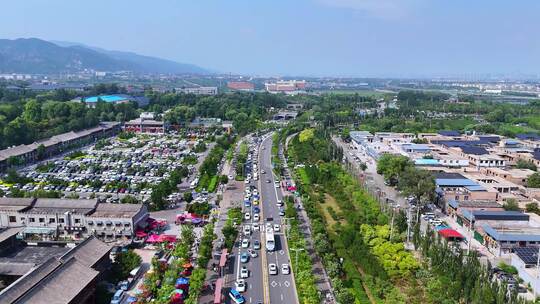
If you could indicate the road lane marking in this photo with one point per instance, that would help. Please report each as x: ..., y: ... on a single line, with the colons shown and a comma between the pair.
x: 266, y: 289
x: 287, y: 284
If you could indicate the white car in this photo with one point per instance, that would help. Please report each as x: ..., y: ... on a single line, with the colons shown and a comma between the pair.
x: 240, y: 285
x: 276, y: 228
x: 247, y: 216
x: 247, y: 230
x: 244, y: 272
x: 245, y: 243
x: 256, y: 217
x: 279, y: 203
x: 276, y: 184
x: 256, y: 227
x: 272, y: 269
x: 252, y: 253
x: 285, y: 269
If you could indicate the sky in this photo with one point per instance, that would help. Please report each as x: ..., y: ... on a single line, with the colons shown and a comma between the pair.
x: 365, y: 38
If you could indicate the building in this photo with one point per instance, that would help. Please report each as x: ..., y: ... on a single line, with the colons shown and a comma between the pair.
x: 454, y: 186
x: 142, y: 125
x: 69, y: 277
x: 26, y: 154
x: 114, y: 99
x: 240, y: 86
x: 516, y: 176
x: 525, y: 260
x: 285, y: 115
x: 289, y: 87
x: 51, y: 219
x: 198, y: 90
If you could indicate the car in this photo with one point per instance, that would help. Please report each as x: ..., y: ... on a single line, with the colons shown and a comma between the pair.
x: 230, y: 177
x: 272, y: 269
x: 276, y: 183
x: 117, y: 297
x: 279, y: 203
x: 263, y: 172
x: 244, y: 272
x: 256, y: 245
x: 276, y: 228
x: 268, y: 226
x: 236, y: 297
x: 255, y: 202
x: 256, y: 210
x: 244, y: 257
x: 247, y: 203
x: 256, y: 227
x: 281, y: 212
x: 245, y: 243
x: 240, y: 285
x: 247, y: 216
x: 123, y: 285
x: 247, y: 230
x: 285, y: 269
x: 268, y: 181
x: 256, y: 217
x: 252, y: 253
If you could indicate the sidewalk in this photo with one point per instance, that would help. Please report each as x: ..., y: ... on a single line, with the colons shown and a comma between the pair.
x: 323, y: 282
x: 230, y: 197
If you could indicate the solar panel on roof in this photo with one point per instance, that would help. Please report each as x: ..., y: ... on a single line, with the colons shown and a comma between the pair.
x: 528, y: 255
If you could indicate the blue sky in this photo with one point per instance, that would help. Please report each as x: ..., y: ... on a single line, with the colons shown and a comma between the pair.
x: 299, y: 37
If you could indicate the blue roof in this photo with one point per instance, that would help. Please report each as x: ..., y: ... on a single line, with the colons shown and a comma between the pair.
x: 460, y: 143
x: 475, y: 188
x: 107, y: 98
x: 453, y: 203
x: 528, y: 136
x: 509, y: 236
x: 449, y: 133
x: 474, y: 150
x: 495, y: 215
x: 426, y: 162
x: 421, y: 147
x: 458, y: 182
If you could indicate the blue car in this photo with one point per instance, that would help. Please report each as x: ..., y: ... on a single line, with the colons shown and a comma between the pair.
x: 236, y: 297
x: 256, y: 210
x: 247, y: 204
x: 244, y: 257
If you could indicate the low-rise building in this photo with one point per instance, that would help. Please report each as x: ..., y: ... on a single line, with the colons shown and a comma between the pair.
x: 26, y: 154
x: 516, y: 176
x: 52, y: 219
x: 198, y: 90
x: 241, y: 86
x: 143, y: 125
x: 70, y: 276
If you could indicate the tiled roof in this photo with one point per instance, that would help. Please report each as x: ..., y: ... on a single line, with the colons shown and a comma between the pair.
x: 89, y: 252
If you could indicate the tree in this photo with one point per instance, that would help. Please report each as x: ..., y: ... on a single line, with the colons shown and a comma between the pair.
x: 534, y: 180
x: 511, y: 205
x: 129, y: 199
x: 532, y: 207
x: 40, y: 152
x: 124, y: 263
x: 417, y: 183
x: 188, y: 196
x: 391, y: 166
x: 524, y: 164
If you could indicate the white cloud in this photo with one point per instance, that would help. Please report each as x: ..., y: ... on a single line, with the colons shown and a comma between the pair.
x: 378, y: 8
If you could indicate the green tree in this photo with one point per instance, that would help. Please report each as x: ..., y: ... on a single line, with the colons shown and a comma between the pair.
x: 124, y: 263
x: 511, y: 205
x: 524, y: 164
x: 534, y: 180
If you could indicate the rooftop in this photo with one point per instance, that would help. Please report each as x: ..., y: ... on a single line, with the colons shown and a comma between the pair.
x: 107, y: 98
x: 52, y: 205
x: 117, y: 210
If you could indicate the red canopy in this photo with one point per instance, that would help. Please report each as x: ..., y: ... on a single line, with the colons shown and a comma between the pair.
x: 450, y: 233
x: 153, y: 238
x: 223, y: 258
x: 140, y: 234
x: 167, y: 238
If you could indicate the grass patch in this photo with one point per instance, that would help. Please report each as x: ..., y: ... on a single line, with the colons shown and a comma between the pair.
x: 330, y: 204
x: 303, y: 176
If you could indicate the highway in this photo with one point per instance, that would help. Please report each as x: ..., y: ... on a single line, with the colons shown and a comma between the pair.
x: 261, y: 286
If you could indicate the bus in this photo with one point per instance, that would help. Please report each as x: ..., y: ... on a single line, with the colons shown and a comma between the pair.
x: 270, y: 241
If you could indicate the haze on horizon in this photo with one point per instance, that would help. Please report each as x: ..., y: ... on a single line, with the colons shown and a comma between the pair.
x: 394, y: 38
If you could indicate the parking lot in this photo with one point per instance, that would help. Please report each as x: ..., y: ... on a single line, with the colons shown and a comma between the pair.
x: 113, y: 168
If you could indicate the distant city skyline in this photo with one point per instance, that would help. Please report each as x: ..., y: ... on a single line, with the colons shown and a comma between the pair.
x: 356, y: 38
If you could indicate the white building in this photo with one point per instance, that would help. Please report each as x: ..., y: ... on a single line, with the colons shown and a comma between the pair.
x: 199, y: 90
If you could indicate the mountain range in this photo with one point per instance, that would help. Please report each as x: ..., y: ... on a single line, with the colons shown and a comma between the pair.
x: 36, y: 56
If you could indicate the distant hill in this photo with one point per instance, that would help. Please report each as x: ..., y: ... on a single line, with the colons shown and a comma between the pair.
x: 36, y: 56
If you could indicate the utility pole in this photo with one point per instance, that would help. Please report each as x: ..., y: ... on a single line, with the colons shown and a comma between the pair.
x: 408, y: 223
x: 392, y: 223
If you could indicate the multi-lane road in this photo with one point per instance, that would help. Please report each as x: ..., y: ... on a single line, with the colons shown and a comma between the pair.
x: 261, y: 286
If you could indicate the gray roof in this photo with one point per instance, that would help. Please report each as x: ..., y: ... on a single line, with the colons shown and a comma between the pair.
x: 9, y: 232
x: 24, y: 283
x: 15, y: 204
x: 15, y: 268
x: 117, y: 210
x: 54, y: 205
x: 89, y: 252
x: 61, y: 285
